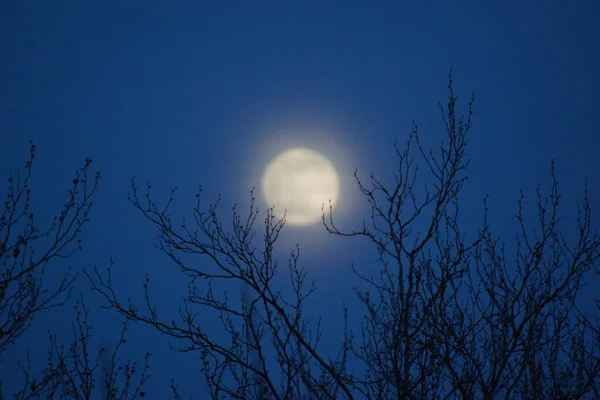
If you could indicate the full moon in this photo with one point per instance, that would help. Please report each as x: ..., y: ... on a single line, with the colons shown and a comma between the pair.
x: 298, y: 182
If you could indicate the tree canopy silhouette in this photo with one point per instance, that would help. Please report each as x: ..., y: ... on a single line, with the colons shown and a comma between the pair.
x: 448, y: 311
x: 448, y: 314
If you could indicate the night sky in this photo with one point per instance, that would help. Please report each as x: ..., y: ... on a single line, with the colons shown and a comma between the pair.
x: 199, y: 92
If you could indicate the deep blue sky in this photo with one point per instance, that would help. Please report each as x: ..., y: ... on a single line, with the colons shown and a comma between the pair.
x: 207, y: 93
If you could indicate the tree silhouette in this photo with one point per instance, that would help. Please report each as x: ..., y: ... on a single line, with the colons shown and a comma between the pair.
x: 73, y: 372
x: 29, y: 253
x: 28, y: 250
x: 449, y: 313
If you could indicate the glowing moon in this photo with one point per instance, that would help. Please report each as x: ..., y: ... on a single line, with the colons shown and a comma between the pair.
x: 298, y: 182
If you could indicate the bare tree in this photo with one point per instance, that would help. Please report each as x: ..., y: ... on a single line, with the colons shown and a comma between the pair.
x: 448, y: 315
x: 28, y: 251
x: 271, y: 324
x: 72, y: 372
x: 457, y: 318
x: 28, y: 254
x: 522, y: 334
x: 423, y: 254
